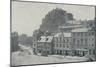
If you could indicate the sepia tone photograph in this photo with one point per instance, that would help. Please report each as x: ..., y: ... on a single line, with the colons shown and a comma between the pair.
x: 52, y: 33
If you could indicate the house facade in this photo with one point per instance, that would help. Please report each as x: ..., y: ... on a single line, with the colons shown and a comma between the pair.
x: 62, y: 43
x: 45, y: 45
x: 83, y: 41
x: 35, y: 40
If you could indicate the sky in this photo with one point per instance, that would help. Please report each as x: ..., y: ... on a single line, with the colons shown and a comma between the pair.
x: 27, y: 16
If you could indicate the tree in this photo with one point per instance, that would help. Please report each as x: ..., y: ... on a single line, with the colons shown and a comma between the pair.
x: 55, y: 18
x: 70, y: 16
x: 14, y: 41
x: 25, y: 40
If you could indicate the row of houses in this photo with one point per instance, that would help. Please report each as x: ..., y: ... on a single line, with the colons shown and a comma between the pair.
x: 74, y: 40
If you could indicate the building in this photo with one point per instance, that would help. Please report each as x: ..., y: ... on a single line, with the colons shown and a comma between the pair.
x: 83, y: 41
x: 69, y: 25
x: 62, y: 43
x: 35, y: 40
x: 45, y: 45
x: 72, y: 38
x: 90, y: 23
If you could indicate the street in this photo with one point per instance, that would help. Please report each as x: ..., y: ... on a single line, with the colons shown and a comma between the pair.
x: 18, y: 59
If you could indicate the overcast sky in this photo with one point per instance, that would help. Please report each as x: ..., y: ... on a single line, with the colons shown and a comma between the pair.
x: 27, y: 16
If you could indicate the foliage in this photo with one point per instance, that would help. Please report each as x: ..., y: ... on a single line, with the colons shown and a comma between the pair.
x: 55, y: 18
x: 14, y: 41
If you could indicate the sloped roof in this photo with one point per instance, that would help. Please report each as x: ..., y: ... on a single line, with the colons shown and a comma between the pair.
x: 63, y: 34
x: 42, y: 39
x: 73, y: 22
x: 67, y: 34
x: 71, y: 26
x: 81, y: 30
x: 49, y: 38
x: 45, y: 39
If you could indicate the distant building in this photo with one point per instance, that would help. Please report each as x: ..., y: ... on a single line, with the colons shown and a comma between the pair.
x: 35, y: 40
x: 25, y: 40
x: 62, y: 43
x: 89, y: 24
x: 22, y: 38
x: 45, y: 45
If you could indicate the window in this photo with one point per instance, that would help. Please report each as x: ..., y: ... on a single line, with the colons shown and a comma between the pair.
x: 92, y: 39
x: 60, y: 39
x: 74, y: 34
x: 92, y: 44
x: 86, y: 34
x: 34, y: 44
x: 81, y: 40
x: 63, y: 45
x: 60, y: 45
x: 67, y: 46
x: 85, y: 40
x: 57, y: 45
x: 67, y: 40
x: 92, y: 33
x: 81, y: 34
x: 46, y: 39
x: 73, y: 40
x: 40, y: 39
x: 77, y: 43
x: 89, y: 34
x: 77, y: 34
x: 57, y: 39
x: 64, y: 40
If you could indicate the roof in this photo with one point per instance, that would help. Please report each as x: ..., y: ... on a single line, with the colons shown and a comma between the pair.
x: 45, y: 39
x: 81, y: 49
x: 81, y: 30
x: 73, y: 22
x: 63, y: 34
x: 71, y: 26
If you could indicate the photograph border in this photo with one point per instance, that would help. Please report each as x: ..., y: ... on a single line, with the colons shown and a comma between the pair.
x: 46, y: 3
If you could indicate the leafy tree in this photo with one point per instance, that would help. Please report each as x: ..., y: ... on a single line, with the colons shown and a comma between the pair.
x: 55, y: 18
x: 70, y: 16
x: 14, y: 41
x: 25, y: 40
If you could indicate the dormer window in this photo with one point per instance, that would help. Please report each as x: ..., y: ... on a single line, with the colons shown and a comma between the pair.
x: 46, y: 39
x: 40, y: 39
